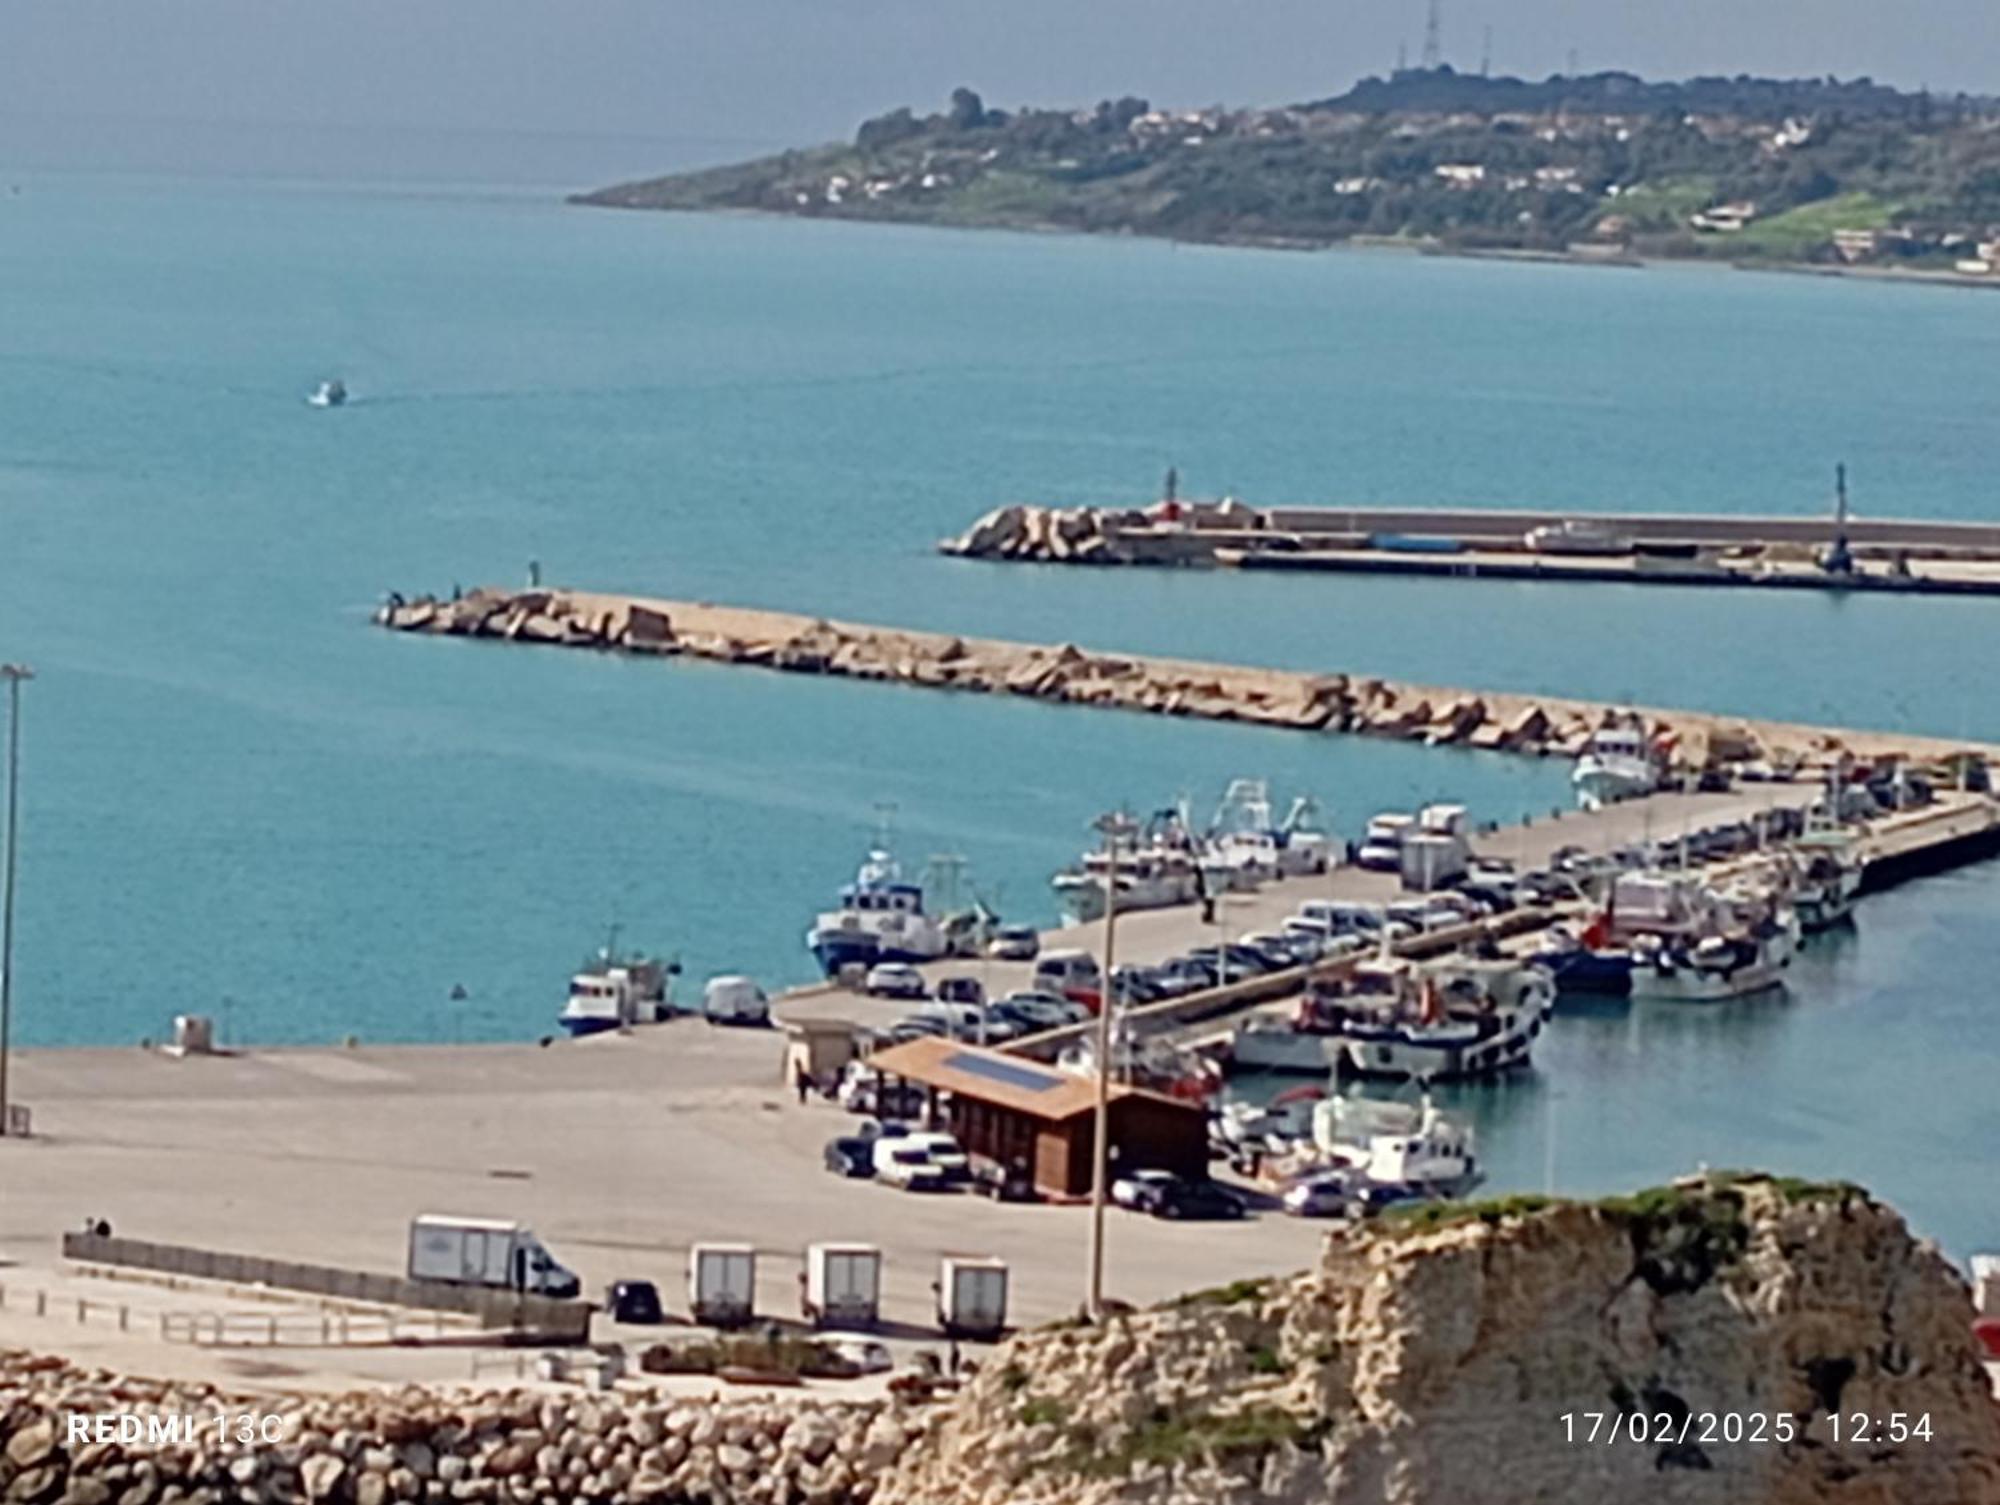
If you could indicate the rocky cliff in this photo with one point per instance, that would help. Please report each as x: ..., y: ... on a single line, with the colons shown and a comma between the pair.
x: 1436, y: 1361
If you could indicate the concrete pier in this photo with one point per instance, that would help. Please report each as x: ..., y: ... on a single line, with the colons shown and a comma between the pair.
x: 1905, y: 556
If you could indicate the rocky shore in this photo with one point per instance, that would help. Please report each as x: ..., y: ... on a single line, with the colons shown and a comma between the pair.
x: 421, y: 1445
x: 1534, y: 725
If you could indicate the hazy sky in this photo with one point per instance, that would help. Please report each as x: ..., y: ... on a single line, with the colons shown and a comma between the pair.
x: 84, y: 73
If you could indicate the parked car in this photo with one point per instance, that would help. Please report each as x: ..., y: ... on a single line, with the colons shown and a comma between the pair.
x: 1328, y: 1195
x: 852, y: 1156
x: 1070, y: 974
x: 1014, y: 943
x: 959, y: 1020
x: 945, y: 1153
x: 1141, y: 1190
x: 895, y: 980
x: 900, y: 1163
x: 867, y: 1353
x: 634, y: 1301
x: 1206, y: 1201
x: 1043, y: 1010
x: 961, y: 990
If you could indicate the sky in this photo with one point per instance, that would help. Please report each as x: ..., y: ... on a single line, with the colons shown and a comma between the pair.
x: 499, y: 86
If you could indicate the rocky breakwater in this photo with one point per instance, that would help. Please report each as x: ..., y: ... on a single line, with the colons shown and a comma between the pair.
x: 423, y: 1445
x: 1334, y: 702
x: 1166, y: 533
x: 1458, y: 1358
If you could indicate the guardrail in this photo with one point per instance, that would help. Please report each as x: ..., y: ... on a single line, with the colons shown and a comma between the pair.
x: 306, y: 1329
x: 80, y: 1309
x: 543, y: 1317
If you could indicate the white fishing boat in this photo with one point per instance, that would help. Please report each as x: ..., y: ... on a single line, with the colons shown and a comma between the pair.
x: 1159, y: 871
x: 612, y: 992
x: 1618, y: 763
x: 1274, y: 1042
x: 1453, y: 1019
x: 1395, y: 1150
x: 1728, y: 963
x: 1245, y: 847
x: 1828, y: 868
x: 328, y: 394
x: 881, y: 918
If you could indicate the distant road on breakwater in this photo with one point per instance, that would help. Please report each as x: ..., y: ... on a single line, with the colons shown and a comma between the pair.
x: 1902, y: 556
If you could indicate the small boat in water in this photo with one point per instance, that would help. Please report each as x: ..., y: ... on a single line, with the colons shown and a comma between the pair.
x: 1618, y: 763
x: 1694, y: 943
x: 1826, y: 881
x: 612, y: 992
x: 1369, y: 1154
x: 328, y: 394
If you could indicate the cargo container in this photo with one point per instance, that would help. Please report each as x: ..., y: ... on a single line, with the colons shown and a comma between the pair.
x: 843, y: 1285
x: 972, y: 1296
x: 722, y: 1283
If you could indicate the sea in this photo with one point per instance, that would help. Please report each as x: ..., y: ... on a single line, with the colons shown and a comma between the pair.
x: 239, y: 798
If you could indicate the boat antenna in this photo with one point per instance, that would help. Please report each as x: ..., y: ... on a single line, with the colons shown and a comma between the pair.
x: 885, y: 823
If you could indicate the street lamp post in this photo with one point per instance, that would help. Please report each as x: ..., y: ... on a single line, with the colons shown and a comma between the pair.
x: 1114, y: 828
x: 14, y: 674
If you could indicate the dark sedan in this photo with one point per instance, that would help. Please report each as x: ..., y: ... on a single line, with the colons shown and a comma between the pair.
x: 1198, y: 1201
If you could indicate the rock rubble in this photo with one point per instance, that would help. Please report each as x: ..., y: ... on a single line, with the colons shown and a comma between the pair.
x: 1533, y: 725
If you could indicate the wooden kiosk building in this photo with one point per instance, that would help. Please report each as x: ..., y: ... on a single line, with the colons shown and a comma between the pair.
x: 1023, y: 1115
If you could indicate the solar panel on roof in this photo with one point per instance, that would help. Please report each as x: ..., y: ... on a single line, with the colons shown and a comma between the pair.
x: 1008, y: 1073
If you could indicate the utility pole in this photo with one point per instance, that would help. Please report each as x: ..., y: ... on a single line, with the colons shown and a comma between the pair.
x: 1433, y: 44
x: 1486, y: 54
x: 14, y: 674
x: 1114, y: 827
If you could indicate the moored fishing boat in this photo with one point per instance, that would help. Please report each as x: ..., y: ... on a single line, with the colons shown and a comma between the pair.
x: 1159, y: 871
x: 1619, y: 762
x: 1453, y: 1019
x: 612, y: 992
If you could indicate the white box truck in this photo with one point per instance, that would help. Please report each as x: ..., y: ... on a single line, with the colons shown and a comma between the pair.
x: 722, y: 1284
x: 488, y: 1252
x: 843, y: 1285
x: 972, y: 1296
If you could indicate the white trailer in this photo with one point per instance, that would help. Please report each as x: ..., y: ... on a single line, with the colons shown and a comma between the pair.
x: 972, y: 1296
x: 1432, y: 861
x: 487, y: 1252
x: 722, y: 1283
x: 843, y: 1285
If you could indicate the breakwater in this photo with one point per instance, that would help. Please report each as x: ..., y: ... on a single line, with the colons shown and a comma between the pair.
x: 1784, y: 553
x: 1535, y: 725
x: 375, y: 1448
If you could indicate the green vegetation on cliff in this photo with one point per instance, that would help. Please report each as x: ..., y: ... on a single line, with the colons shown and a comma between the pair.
x: 1736, y: 168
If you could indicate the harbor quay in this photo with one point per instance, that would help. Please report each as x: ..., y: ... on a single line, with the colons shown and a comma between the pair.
x: 622, y: 1150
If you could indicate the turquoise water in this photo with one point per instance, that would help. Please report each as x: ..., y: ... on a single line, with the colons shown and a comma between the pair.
x: 241, y: 799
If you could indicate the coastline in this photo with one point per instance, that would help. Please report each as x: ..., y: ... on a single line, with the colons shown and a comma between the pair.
x: 1618, y: 259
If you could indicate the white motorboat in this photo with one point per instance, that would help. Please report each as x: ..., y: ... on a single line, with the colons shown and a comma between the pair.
x: 1448, y: 1020
x: 328, y: 394
x: 1617, y: 763
x: 613, y: 992
x: 1397, y: 1149
x: 1271, y: 1042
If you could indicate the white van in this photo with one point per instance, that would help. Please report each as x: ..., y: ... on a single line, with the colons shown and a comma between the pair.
x: 734, y: 1000
x: 1068, y: 974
